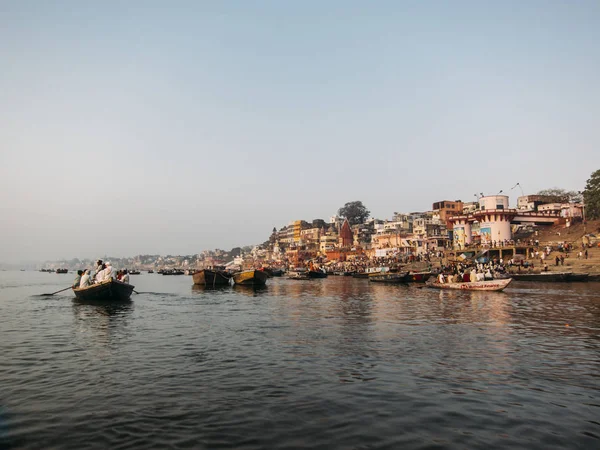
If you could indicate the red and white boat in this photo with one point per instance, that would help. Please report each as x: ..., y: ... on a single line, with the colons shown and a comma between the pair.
x: 488, y: 285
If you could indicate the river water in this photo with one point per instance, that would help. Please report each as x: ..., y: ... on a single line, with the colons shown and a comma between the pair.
x: 331, y: 364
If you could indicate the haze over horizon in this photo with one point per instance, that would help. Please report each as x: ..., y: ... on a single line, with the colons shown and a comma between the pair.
x: 154, y: 128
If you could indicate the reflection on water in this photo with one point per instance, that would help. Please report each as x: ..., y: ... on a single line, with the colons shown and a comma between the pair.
x: 101, y: 323
x: 328, y: 363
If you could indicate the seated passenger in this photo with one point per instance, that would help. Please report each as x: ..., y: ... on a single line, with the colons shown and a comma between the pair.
x: 101, y: 274
x: 85, y: 279
x: 125, y: 277
x: 441, y: 278
x: 109, y: 272
x: 77, y: 279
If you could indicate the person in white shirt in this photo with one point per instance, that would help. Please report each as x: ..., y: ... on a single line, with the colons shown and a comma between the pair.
x: 101, y: 274
x: 109, y: 272
x: 85, y: 279
x: 125, y: 277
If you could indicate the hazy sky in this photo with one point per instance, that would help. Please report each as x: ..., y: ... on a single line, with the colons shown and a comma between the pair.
x: 172, y: 126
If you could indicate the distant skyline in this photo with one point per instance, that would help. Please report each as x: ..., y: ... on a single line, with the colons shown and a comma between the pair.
x: 175, y: 127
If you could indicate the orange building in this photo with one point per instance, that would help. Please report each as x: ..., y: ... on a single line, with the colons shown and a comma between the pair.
x: 447, y: 209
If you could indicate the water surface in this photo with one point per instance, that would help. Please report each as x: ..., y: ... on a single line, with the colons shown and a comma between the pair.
x: 333, y: 364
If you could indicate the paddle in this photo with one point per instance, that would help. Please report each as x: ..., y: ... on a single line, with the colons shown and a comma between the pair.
x: 43, y: 295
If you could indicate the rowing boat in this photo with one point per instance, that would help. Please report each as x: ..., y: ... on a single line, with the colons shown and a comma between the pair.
x: 488, y: 285
x: 109, y: 290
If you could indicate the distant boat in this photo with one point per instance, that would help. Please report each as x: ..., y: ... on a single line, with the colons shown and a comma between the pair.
x: 489, y: 285
x: 387, y: 277
x: 151, y: 271
x: 544, y: 276
x: 173, y: 272
x: 298, y: 276
x: 109, y: 290
x: 62, y: 270
x: 317, y: 274
x: 134, y: 272
x: 417, y: 277
x: 209, y: 277
x: 251, y: 278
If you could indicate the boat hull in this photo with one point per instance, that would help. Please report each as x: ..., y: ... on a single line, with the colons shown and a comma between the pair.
x: 111, y: 290
x: 389, y: 278
x: 316, y: 274
x: 544, y: 277
x: 490, y: 285
x: 251, y: 278
x: 210, y: 278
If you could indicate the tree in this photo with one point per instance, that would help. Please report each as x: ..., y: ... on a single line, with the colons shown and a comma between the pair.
x: 319, y: 223
x: 562, y: 195
x: 355, y: 212
x: 591, y: 196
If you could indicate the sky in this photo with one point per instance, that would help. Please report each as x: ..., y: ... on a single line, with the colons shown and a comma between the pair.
x: 154, y: 127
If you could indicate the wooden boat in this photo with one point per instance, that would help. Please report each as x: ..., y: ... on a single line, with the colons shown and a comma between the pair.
x: 544, y: 276
x: 134, y: 272
x: 389, y: 277
x: 273, y: 272
x: 578, y: 277
x: 151, y: 271
x: 298, y: 276
x: 211, y: 277
x: 109, y: 290
x: 251, y: 278
x: 316, y: 274
x: 418, y: 277
x: 489, y: 285
x: 173, y: 272
x: 360, y: 275
x: 62, y: 270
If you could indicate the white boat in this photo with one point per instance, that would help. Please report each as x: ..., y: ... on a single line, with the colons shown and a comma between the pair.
x: 487, y: 285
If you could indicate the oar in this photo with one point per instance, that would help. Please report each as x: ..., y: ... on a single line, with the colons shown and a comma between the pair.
x: 56, y: 291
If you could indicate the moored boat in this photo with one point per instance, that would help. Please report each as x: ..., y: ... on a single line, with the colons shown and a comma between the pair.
x: 389, y: 277
x: 109, y: 290
x: 298, y: 276
x: 578, y: 277
x: 317, y: 274
x: 211, y: 277
x: 418, y: 277
x: 251, y: 278
x: 488, y: 285
x: 543, y: 276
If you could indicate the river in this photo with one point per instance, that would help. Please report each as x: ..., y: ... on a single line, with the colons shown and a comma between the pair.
x: 337, y: 363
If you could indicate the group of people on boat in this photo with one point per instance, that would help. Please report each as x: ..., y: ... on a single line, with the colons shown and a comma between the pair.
x: 102, y: 272
x: 465, y: 272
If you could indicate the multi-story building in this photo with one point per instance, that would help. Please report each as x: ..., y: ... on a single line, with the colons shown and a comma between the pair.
x: 447, y: 208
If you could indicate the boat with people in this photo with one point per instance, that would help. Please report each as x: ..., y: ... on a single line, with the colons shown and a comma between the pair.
x: 108, y: 290
x: 210, y: 277
x: 486, y: 285
x: 134, y: 272
x: 62, y: 270
x: 251, y: 278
